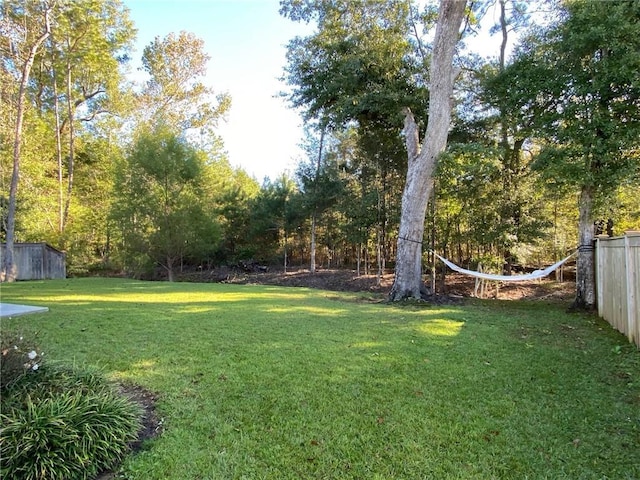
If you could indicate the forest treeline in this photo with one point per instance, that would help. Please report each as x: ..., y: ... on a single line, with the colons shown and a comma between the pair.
x: 133, y: 177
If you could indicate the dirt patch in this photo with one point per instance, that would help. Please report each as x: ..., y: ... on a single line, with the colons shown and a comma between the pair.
x: 151, y: 422
x: 544, y: 289
x: 456, y: 285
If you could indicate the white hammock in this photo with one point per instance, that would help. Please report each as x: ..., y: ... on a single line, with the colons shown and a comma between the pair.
x: 506, y: 278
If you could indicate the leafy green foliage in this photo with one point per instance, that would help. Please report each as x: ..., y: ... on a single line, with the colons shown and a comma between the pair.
x: 366, y: 60
x: 576, y: 85
x: 276, y: 216
x: 18, y: 357
x: 69, y: 436
x: 356, y: 73
x: 472, y: 203
x: 162, y: 210
x: 319, y: 178
x: 357, y: 66
x: 63, y: 423
x: 175, y: 93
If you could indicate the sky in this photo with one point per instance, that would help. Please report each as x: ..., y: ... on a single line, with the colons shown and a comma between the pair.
x: 246, y: 40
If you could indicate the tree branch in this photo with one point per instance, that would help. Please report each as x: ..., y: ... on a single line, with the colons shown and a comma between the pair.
x: 412, y: 136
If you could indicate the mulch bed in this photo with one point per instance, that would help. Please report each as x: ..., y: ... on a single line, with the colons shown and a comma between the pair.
x: 456, y: 285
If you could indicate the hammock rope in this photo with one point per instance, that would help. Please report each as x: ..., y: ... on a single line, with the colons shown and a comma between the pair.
x: 506, y: 278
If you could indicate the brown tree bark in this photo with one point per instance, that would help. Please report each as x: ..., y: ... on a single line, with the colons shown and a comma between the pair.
x: 423, y: 160
x: 8, y: 273
x: 585, y: 271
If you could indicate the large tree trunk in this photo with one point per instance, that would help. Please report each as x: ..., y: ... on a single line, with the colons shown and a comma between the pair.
x: 585, y: 272
x: 8, y: 272
x: 422, y: 162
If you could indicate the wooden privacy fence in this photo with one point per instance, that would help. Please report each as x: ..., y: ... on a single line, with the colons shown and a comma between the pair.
x: 37, y: 261
x: 618, y: 283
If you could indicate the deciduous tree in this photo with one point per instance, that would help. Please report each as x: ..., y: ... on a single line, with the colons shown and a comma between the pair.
x: 423, y: 158
x: 160, y: 209
x: 174, y: 93
x: 25, y: 28
x: 577, y: 84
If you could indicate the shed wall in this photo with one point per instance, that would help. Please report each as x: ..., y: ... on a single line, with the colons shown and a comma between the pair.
x: 37, y: 261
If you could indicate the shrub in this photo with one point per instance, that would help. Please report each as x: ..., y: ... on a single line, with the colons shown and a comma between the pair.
x: 64, y: 423
x: 55, y: 378
x: 18, y: 358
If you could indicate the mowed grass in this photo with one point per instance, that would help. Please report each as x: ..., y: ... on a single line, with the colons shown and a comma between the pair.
x: 258, y: 382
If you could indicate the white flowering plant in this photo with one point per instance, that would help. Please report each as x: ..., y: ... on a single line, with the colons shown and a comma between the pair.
x: 19, y: 357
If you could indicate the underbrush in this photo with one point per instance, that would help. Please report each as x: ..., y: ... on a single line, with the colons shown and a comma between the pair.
x: 59, y: 422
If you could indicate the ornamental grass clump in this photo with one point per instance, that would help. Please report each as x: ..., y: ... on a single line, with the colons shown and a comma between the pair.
x: 18, y: 358
x: 64, y: 423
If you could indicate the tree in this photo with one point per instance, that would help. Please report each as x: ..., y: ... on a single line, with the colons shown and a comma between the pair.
x: 276, y: 215
x: 80, y: 78
x: 422, y: 159
x: 160, y: 208
x: 19, y: 25
x: 576, y: 83
x: 74, y: 79
x: 358, y: 65
x: 230, y: 192
x: 515, y: 199
x: 174, y: 93
x: 320, y: 182
x: 358, y: 71
x: 309, y: 175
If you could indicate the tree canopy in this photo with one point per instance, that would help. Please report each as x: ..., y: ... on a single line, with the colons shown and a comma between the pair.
x: 541, y: 142
x: 576, y: 86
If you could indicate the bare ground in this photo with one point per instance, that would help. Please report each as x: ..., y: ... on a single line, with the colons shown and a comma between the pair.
x: 455, y: 285
x: 152, y: 424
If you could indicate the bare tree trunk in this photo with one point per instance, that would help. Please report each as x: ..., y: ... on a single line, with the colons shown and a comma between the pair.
x: 422, y: 161
x: 312, y: 253
x: 379, y: 256
x: 432, y: 257
x: 56, y: 110
x: 8, y: 273
x: 169, y: 268
x: 70, y: 113
x: 504, y: 30
x: 314, y: 215
x: 285, y: 252
x: 585, y: 273
x: 366, y: 258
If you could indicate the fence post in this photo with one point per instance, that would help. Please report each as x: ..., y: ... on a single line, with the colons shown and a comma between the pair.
x: 632, y: 301
x: 599, y: 266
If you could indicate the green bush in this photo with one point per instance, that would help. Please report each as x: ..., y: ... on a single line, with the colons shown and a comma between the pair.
x: 19, y: 357
x: 54, y: 378
x: 64, y: 423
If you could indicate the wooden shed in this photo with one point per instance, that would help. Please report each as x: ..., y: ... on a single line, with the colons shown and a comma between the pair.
x: 37, y: 261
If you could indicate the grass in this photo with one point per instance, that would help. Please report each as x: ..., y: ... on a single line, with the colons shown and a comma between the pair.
x: 263, y: 382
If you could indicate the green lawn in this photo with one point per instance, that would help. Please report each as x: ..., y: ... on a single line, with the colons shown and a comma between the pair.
x: 263, y: 382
